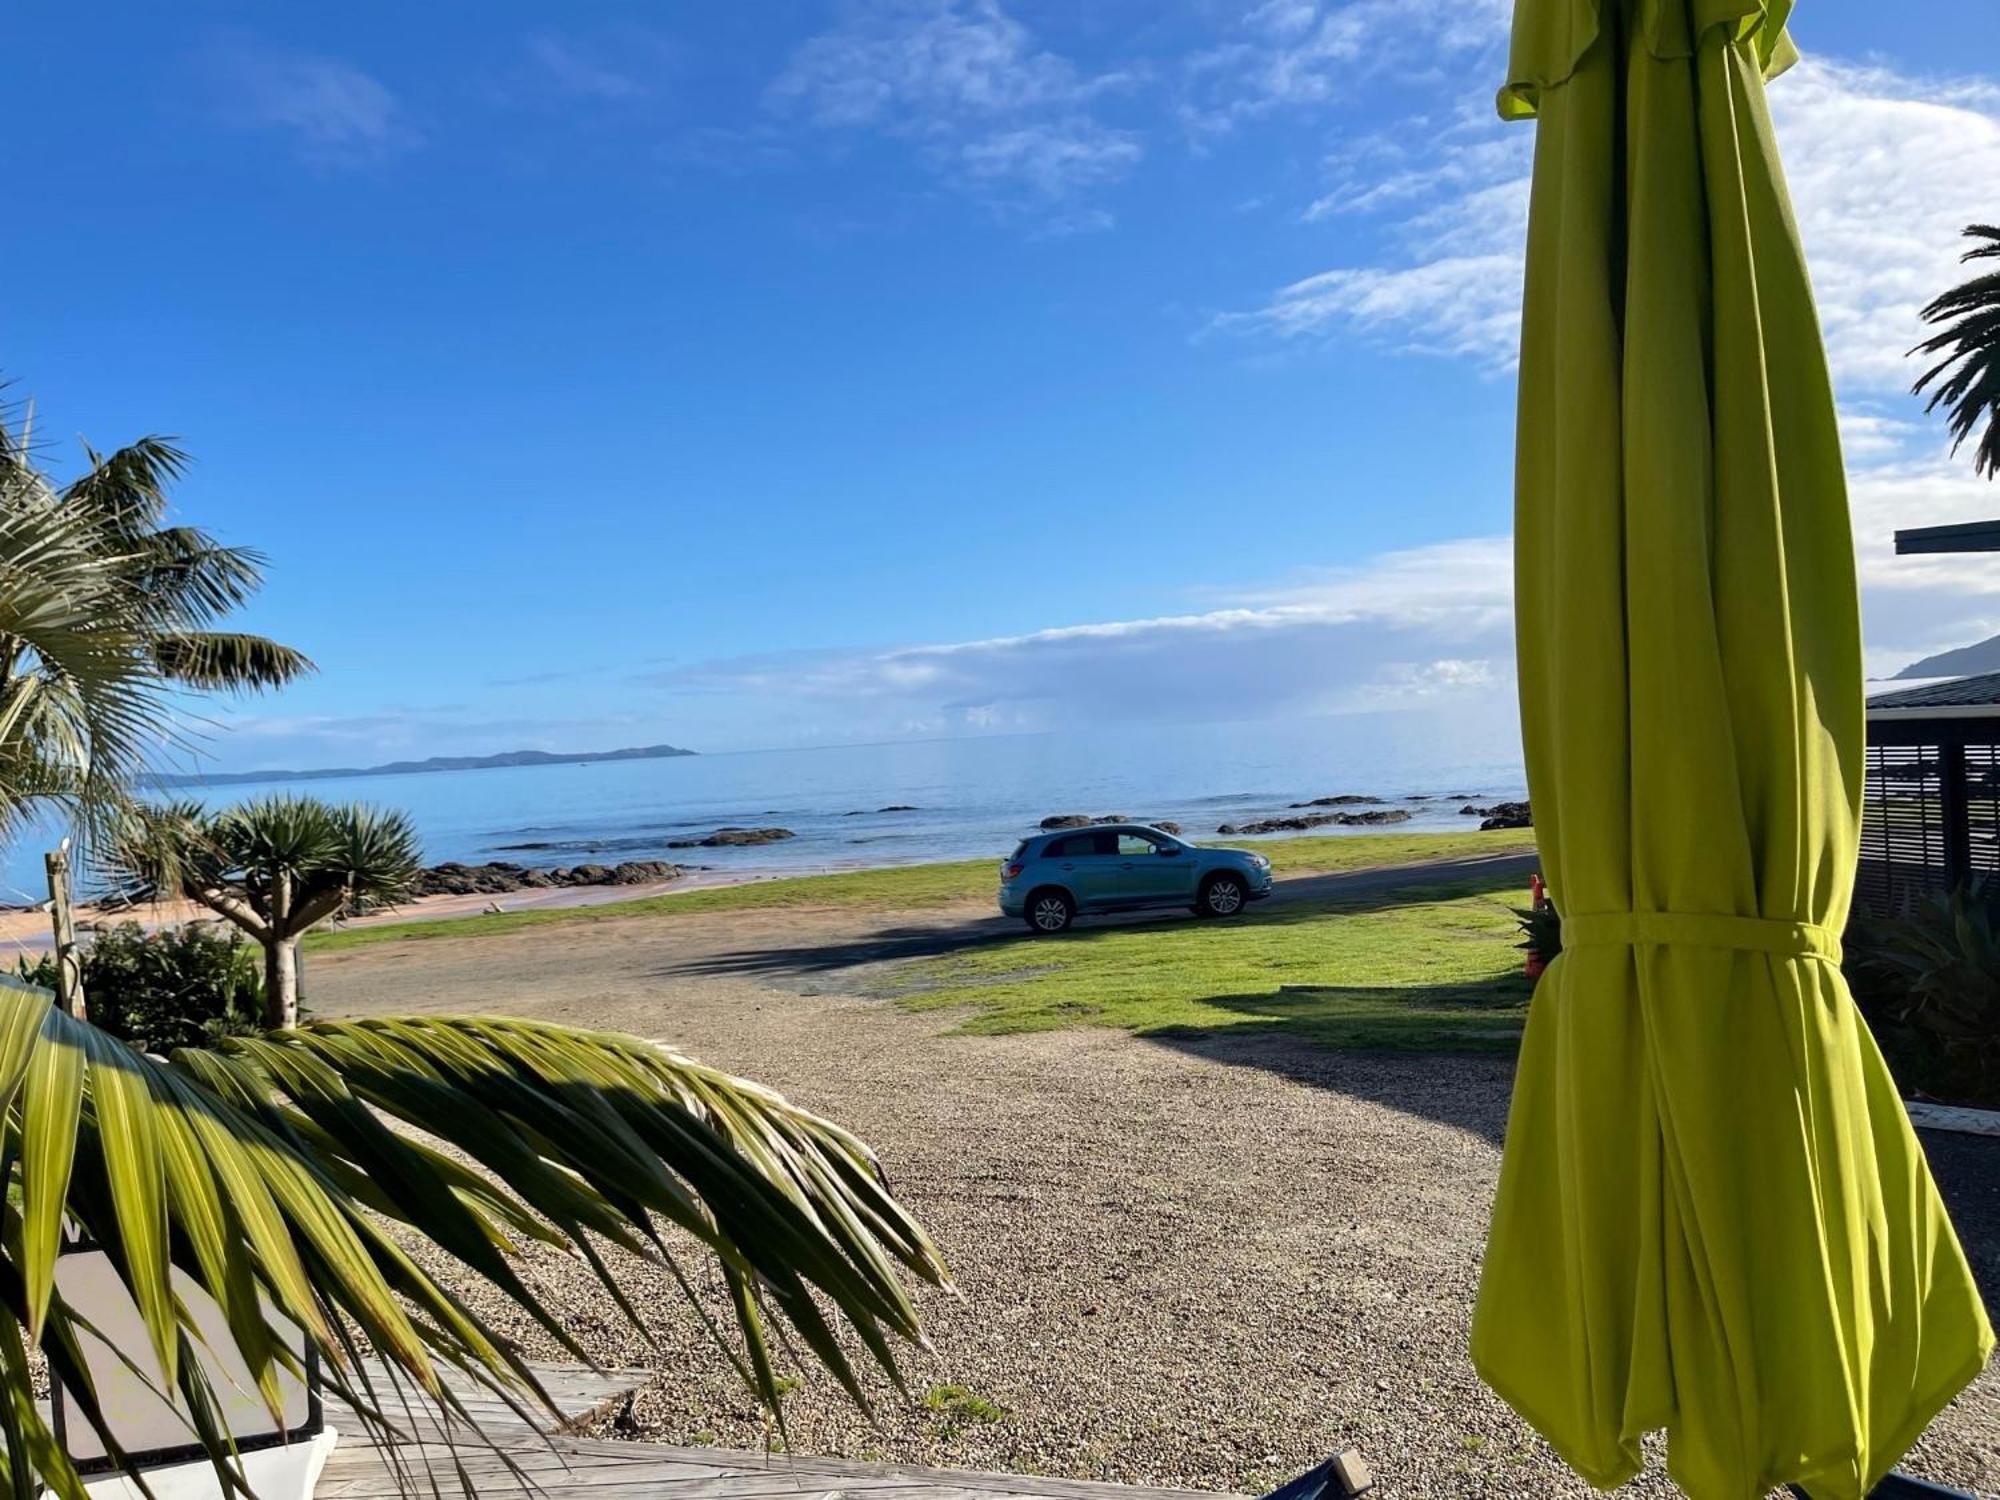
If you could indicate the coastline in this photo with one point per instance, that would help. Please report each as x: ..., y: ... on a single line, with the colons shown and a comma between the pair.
x: 27, y: 931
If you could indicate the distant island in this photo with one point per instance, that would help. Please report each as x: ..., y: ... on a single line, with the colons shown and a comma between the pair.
x: 435, y: 763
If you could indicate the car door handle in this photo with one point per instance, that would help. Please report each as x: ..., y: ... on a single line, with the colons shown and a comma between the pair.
x: 1069, y: 867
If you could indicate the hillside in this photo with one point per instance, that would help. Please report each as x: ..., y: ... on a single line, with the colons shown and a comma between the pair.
x: 1982, y: 657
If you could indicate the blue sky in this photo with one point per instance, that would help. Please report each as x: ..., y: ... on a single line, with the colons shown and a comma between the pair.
x: 790, y: 373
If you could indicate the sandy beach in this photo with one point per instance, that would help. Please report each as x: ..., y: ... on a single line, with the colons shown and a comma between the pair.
x: 27, y: 931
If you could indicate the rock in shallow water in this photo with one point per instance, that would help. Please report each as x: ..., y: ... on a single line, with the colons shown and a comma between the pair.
x: 497, y: 878
x: 1500, y: 815
x: 1320, y: 820
x: 729, y: 838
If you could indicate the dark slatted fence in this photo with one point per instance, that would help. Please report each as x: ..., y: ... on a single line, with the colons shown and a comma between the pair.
x: 1930, y: 816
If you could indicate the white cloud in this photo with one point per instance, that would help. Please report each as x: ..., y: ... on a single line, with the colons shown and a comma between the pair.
x: 1466, y: 305
x: 572, y: 68
x: 1884, y: 171
x: 968, y: 85
x: 337, y: 114
x: 1300, y: 54
x: 1404, y: 628
x: 1052, y: 158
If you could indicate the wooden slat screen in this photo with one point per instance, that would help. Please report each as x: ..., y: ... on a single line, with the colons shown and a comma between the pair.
x: 1902, y: 825
x: 1982, y: 809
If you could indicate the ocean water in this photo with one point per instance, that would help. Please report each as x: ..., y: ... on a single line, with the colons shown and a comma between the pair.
x: 974, y: 798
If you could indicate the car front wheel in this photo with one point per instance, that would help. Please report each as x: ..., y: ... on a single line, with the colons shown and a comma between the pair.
x: 1050, y: 911
x: 1222, y: 896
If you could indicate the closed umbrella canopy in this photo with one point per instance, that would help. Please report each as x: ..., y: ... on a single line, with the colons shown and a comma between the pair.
x: 1713, y: 1216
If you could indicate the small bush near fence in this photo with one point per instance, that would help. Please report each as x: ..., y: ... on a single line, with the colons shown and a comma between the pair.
x: 181, y: 987
x: 1928, y: 980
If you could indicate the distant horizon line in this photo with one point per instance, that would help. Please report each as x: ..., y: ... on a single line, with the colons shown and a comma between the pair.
x: 510, y: 759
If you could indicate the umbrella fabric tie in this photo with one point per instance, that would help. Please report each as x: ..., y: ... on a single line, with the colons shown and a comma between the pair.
x: 1701, y: 930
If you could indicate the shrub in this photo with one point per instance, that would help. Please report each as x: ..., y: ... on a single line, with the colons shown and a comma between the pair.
x: 180, y: 987
x: 1541, y: 929
x: 1928, y: 980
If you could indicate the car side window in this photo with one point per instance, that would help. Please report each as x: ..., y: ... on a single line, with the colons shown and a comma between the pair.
x: 1132, y: 844
x: 1076, y: 846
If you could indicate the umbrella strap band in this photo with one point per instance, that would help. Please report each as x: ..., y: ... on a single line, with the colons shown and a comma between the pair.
x: 1700, y: 930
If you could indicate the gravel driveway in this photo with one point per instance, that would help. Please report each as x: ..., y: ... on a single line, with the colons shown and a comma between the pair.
x: 1202, y: 1265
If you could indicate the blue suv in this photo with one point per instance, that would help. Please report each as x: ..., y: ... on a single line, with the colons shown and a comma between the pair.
x: 1054, y: 877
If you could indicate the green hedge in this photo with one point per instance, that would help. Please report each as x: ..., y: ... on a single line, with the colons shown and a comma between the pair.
x: 180, y: 987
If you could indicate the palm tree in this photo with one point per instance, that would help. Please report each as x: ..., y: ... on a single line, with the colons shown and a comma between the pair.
x: 263, y: 1171
x: 276, y: 868
x: 1970, y: 342
x: 107, y: 614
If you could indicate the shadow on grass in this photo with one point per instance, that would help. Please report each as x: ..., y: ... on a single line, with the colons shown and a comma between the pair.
x: 887, y: 945
x: 1304, y: 899
x: 1442, y: 1052
x: 1475, y: 1016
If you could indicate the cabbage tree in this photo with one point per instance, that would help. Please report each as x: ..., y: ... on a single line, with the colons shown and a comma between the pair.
x: 276, y: 868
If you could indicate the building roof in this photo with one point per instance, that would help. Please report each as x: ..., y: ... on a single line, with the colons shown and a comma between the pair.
x: 1977, y: 696
x: 1964, y: 536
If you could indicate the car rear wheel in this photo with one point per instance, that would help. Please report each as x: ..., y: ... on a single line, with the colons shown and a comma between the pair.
x: 1050, y: 911
x: 1222, y: 896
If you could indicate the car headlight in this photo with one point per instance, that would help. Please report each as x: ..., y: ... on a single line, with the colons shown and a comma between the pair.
x: 1260, y: 862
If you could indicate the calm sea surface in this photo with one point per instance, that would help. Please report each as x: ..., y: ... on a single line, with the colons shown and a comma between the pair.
x: 974, y: 797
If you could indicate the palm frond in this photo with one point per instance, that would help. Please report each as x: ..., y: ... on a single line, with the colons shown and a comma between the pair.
x: 259, y: 1171
x: 190, y: 579
x: 127, y: 489
x: 225, y: 661
x: 81, y: 704
x: 1966, y: 380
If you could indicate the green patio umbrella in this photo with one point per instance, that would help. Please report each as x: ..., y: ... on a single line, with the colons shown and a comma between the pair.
x: 1713, y: 1216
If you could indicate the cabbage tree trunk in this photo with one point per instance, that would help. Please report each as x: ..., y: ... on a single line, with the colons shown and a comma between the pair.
x: 281, y: 984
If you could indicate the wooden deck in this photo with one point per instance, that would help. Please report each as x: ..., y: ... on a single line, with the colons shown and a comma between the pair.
x: 596, y: 1469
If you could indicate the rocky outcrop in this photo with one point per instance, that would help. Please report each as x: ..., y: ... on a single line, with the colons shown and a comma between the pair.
x: 1308, y: 821
x: 1345, y: 799
x: 732, y: 838
x: 862, y: 812
x: 499, y: 877
x: 1500, y: 815
x: 1090, y: 820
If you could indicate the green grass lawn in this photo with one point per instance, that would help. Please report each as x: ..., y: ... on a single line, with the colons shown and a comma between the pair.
x: 919, y: 887
x: 1424, y: 967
